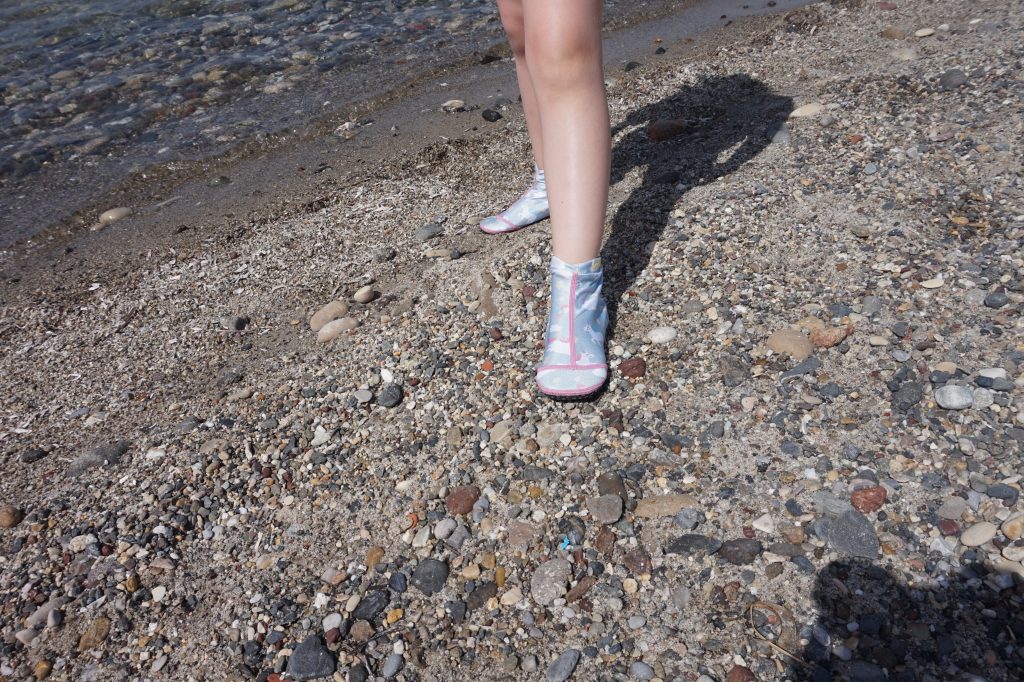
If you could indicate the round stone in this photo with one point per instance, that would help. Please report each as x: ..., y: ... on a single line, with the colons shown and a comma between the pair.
x: 636, y: 622
x: 335, y: 328
x: 460, y: 500
x: 868, y: 499
x: 639, y: 670
x: 954, y: 397
x: 978, y: 534
x: 430, y: 576
x: 1013, y: 527
x: 10, y: 516
x: 332, y: 311
x: 364, y: 294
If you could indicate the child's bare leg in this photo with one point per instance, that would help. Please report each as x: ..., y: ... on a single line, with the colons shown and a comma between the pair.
x: 512, y: 18
x: 532, y: 205
x: 563, y: 61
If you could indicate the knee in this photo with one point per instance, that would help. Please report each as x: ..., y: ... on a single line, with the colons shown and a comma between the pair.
x: 512, y: 19
x: 558, y: 62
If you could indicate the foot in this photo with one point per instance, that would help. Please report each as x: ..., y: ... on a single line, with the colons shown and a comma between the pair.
x: 574, y: 363
x: 530, y: 208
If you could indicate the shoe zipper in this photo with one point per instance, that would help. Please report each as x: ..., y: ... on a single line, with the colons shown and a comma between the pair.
x: 572, y: 321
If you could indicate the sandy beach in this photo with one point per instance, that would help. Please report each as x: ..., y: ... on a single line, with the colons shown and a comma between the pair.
x: 806, y: 464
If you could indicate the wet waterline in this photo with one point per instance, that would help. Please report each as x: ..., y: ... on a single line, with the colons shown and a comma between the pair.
x: 92, y: 94
x: 175, y: 77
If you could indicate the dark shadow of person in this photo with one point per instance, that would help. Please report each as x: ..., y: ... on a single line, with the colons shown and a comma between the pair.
x: 728, y: 120
x: 875, y: 626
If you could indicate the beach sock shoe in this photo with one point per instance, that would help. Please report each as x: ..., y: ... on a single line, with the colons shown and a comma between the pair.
x: 574, y: 363
x: 529, y: 208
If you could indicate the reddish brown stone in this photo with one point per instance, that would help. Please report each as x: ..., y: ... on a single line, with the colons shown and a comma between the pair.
x: 580, y: 588
x: 461, y: 499
x: 740, y: 674
x: 666, y: 129
x: 634, y: 368
x: 638, y: 562
x: 605, y: 540
x: 887, y: 6
x: 949, y: 527
x: 868, y: 499
x: 826, y: 337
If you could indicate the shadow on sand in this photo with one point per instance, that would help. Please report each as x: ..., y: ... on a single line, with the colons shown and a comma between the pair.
x: 728, y: 121
x: 874, y: 626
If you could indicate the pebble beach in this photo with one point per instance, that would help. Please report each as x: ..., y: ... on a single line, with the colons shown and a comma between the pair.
x: 308, y: 446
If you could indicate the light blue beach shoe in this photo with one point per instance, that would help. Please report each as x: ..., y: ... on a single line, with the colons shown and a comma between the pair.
x: 574, y: 363
x: 528, y: 209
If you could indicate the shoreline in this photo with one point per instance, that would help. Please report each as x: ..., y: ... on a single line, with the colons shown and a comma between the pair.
x: 276, y: 175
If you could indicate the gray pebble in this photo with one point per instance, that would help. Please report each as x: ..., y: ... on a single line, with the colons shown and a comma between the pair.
x: 954, y: 397
x: 392, y: 664
x: 428, y: 232
x: 563, y: 666
x: 641, y: 671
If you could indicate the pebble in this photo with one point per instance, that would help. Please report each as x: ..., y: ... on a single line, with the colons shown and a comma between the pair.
x: 10, y: 516
x: 633, y: 368
x: 101, y: 456
x: 1013, y: 527
x: 429, y: 231
x: 549, y: 581
x: 95, y: 634
x: 332, y: 311
x: 364, y: 294
x: 996, y: 299
x: 606, y: 509
x: 636, y: 622
x: 952, y: 508
x: 868, y: 499
x: 924, y: 32
x: 114, y: 214
x: 562, y: 667
x: 430, y: 576
x: 512, y: 597
x: 664, y: 505
x: 461, y: 499
x: 639, y: 670
x: 390, y: 396
x: 791, y: 342
x: 335, y: 328
x: 693, y: 544
x: 740, y: 673
x: 311, y: 660
x: 392, y: 664
x: 740, y: 551
x: 662, y: 335
x: 952, y: 397
x: 851, y: 533
x: 978, y: 534
x: 807, y: 110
